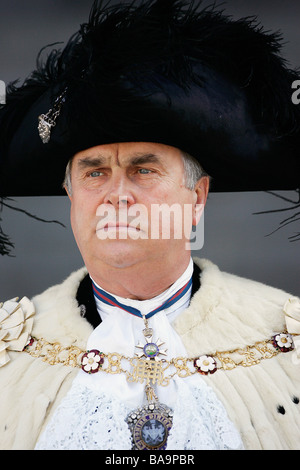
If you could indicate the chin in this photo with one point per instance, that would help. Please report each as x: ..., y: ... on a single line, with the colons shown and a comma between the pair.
x: 120, y: 254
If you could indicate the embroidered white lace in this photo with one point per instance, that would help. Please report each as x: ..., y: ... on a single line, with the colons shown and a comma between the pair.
x: 87, y: 420
x: 200, y: 421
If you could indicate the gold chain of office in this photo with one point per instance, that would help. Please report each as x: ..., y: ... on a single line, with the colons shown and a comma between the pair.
x: 153, y: 371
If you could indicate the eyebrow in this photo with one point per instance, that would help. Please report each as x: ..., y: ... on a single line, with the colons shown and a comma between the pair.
x: 144, y: 158
x: 138, y: 159
x: 88, y: 162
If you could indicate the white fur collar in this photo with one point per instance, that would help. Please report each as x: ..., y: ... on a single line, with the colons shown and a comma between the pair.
x: 229, y: 312
x: 58, y: 314
x: 226, y: 313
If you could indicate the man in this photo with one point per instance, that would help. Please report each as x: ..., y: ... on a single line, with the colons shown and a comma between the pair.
x: 172, y: 352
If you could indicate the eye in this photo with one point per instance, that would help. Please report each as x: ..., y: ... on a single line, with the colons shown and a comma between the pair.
x: 95, y: 173
x: 144, y: 171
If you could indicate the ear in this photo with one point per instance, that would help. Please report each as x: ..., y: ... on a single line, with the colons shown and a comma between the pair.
x: 67, y: 185
x: 201, y: 193
x: 68, y: 193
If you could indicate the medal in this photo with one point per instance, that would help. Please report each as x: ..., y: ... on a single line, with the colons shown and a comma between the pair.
x: 150, y: 424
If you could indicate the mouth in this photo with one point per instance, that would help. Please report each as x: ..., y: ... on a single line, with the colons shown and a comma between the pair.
x: 119, y: 231
x: 118, y: 227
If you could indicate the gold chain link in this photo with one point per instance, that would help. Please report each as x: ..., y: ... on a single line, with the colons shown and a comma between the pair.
x: 149, y: 370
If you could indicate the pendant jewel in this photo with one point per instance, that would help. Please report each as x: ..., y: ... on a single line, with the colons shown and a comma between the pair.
x: 150, y: 426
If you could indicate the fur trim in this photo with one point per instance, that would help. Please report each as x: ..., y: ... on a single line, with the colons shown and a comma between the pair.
x: 58, y: 306
x: 229, y: 312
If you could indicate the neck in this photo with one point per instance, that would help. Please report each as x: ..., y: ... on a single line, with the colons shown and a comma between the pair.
x: 140, y: 281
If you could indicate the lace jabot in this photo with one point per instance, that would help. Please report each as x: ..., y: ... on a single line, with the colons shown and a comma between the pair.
x: 91, y: 420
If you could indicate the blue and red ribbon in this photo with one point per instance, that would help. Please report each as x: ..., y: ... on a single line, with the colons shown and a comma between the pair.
x: 111, y: 300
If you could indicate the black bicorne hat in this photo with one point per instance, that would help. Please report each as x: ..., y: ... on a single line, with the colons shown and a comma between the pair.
x: 164, y: 71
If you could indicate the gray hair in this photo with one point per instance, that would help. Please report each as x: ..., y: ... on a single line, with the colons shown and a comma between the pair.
x: 67, y: 180
x: 193, y: 172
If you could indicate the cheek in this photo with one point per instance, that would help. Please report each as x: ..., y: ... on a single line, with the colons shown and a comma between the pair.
x: 175, y: 194
x: 166, y: 193
x: 76, y: 223
x: 171, y: 214
x: 83, y: 215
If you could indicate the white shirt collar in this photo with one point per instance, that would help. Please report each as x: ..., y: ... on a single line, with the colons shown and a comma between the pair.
x: 148, y: 305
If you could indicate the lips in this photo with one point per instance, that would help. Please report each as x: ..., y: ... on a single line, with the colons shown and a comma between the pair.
x: 117, y: 226
x: 112, y: 229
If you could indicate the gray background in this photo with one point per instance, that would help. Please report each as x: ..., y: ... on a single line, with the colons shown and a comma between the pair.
x: 234, y: 238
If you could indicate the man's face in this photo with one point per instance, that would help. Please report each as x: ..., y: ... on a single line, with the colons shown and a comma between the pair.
x: 120, y: 201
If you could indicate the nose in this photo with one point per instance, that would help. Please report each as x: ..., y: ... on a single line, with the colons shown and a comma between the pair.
x: 119, y: 192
